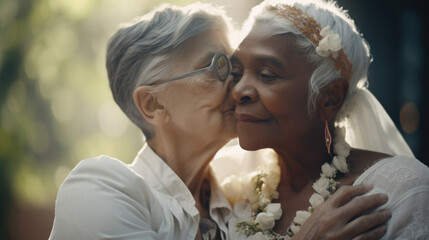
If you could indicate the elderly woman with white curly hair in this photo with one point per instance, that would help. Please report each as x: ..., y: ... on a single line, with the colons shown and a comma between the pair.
x: 169, y: 72
x: 300, y: 77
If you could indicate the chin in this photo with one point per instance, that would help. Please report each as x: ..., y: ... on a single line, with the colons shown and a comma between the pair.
x: 251, y: 145
x: 251, y: 140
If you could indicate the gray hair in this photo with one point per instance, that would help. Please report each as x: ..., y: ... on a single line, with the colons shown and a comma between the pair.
x: 326, y: 13
x: 144, y: 50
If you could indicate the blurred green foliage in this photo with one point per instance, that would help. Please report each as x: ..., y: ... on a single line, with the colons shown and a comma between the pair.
x: 55, y: 104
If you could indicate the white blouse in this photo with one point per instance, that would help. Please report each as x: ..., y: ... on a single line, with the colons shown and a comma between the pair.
x: 103, y: 198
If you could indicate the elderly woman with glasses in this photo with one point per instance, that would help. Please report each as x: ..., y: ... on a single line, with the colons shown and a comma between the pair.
x: 169, y: 73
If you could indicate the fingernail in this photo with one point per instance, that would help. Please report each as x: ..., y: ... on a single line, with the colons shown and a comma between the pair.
x: 382, y: 230
x: 387, y: 214
x: 385, y: 197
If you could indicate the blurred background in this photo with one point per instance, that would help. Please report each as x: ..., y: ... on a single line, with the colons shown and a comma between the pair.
x: 56, y: 107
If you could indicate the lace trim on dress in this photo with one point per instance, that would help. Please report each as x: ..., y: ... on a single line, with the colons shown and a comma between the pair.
x: 401, y: 174
x: 419, y: 226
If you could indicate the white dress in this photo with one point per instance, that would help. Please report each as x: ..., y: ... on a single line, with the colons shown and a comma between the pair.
x: 103, y: 198
x: 404, y: 179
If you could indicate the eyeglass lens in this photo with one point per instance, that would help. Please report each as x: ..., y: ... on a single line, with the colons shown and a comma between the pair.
x: 222, y: 67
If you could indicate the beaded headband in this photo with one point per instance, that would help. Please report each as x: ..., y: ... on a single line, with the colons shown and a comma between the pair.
x: 328, y: 44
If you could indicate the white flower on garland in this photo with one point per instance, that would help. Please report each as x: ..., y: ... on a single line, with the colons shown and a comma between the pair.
x: 316, y: 199
x: 330, y: 43
x: 247, y: 184
x: 340, y: 163
x: 321, y: 186
x: 232, y: 186
x: 328, y: 170
x: 258, y: 188
x: 301, y: 217
x: 258, y: 236
x: 265, y: 220
x: 340, y: 131
x: 275, y: 209
x: 340, y: 150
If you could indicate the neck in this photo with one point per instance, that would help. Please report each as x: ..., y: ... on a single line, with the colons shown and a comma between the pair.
x: 189, y: 158
x: 301, y: 164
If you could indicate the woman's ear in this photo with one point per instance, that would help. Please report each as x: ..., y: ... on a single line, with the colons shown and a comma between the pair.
x: 150, y: 107
x: 332, y: 98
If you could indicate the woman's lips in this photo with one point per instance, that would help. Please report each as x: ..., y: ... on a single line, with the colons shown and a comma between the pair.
x: 248, y: 118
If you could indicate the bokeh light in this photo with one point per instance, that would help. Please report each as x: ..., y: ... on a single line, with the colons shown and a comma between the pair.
x: 409, y: 116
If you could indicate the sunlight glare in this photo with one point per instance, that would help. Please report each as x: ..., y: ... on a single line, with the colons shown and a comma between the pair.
x: 111, y: 119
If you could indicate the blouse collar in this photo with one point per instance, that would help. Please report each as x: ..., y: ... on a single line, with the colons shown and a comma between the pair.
x: 160, y: 176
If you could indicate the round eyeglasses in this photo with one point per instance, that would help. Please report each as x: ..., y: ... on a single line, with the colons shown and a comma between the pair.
x: 220, y: 66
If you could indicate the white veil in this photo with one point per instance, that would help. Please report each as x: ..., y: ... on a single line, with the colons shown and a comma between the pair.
x: 368, y: 126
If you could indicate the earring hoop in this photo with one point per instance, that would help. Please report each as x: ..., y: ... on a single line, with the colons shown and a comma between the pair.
x: 328, y: 138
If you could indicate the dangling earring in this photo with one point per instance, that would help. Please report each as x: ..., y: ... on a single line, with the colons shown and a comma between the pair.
x: 328, y: 138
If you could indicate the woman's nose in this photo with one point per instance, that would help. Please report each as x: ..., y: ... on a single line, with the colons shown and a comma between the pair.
x: 243, y: 90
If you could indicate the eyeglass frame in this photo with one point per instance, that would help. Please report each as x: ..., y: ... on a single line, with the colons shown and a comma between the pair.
x: 212, y: 67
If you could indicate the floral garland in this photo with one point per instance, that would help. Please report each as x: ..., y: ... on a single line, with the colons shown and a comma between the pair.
x: 259, y: 188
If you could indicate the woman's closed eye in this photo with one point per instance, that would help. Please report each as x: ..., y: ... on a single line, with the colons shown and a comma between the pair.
x: 236, y: 74
x: 267, y: 74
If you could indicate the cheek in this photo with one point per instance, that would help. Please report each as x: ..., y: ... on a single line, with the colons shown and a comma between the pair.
x: 289, y: 106
x: 278, y: 101
x: 211, y: 94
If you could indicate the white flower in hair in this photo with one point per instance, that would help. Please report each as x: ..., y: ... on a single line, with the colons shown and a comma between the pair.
x: 330, y: 43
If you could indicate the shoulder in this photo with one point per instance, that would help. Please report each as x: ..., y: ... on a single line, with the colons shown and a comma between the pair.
x: 402, y: 160
x: 400, y: 168
x: 406, y: 181
x: 100, y: 194
x: 360, y: 160
x: 101, y: 164
x: 101, y: 172
x: 396, y: 174
x: 102, y: 175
